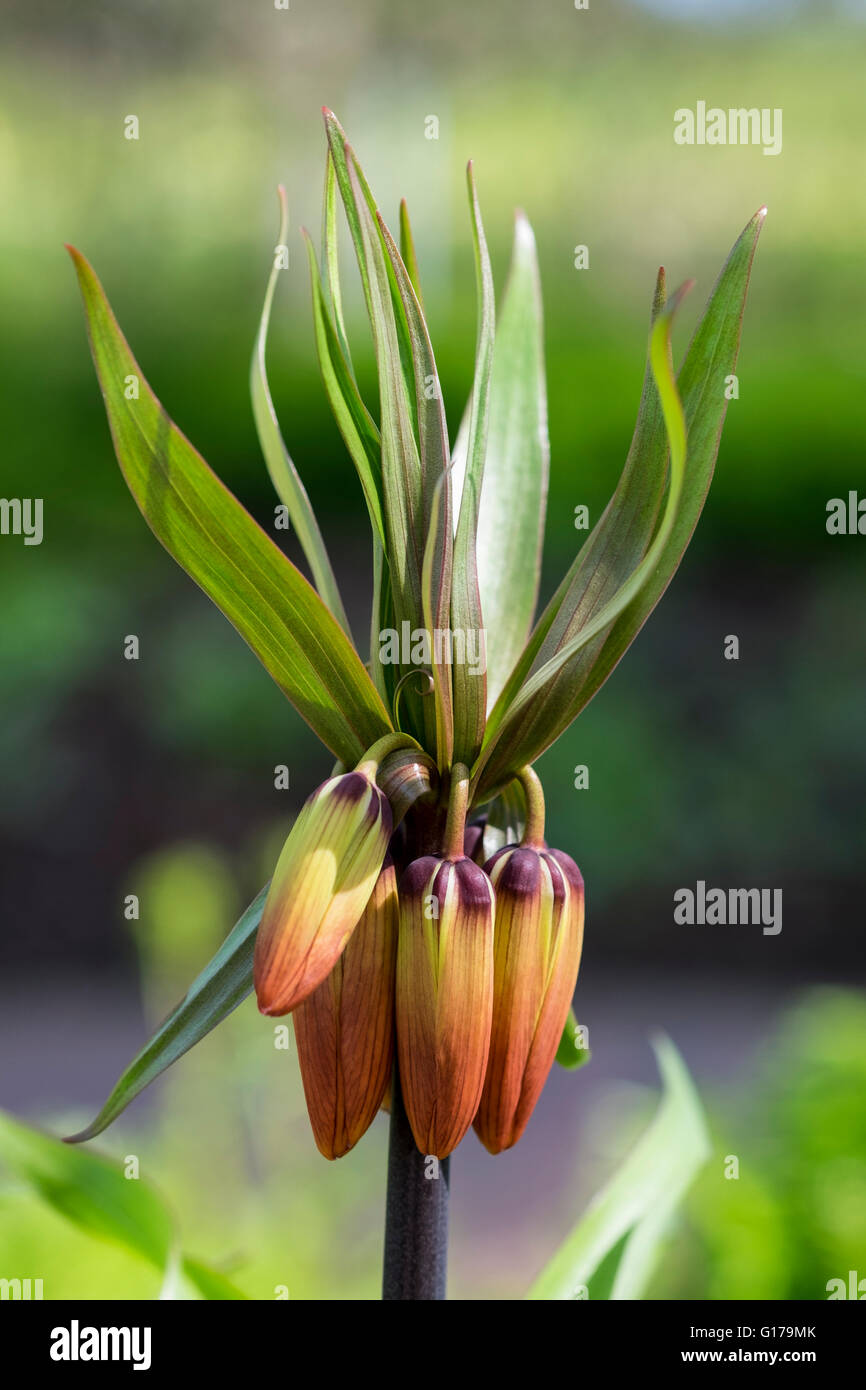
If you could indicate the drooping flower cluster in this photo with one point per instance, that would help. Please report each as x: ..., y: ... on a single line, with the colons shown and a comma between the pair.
x: 403, y: 940
x: 470, y: 965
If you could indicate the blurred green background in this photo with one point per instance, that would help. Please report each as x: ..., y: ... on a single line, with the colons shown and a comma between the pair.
x: 160, y: 772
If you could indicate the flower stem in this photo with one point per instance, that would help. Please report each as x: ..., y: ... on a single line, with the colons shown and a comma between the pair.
x: 533, y: 835
x: 390, y: 743
x: 458, y: 803
x: 416, y: 1214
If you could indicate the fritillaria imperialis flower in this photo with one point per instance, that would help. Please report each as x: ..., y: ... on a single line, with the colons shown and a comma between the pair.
x: 471, y: 964
x: 444, y: 985
x: 537, y: 946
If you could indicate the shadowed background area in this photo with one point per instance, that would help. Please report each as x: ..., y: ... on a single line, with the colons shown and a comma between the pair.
x: 156, y: 777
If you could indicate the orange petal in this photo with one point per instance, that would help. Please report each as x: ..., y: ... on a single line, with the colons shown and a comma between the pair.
x: 345, y: 1028
x: 323, y: 879
x: 444, y: 997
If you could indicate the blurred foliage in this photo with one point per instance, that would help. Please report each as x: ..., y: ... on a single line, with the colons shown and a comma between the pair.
x: 795, y: 1216
x: 225, y: 1136
x: 180, y: 225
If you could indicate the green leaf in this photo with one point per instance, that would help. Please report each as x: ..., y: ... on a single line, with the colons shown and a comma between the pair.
x: 538, y: 690
x: 200, y: 523
x: 95, y: 1195
x: 223, y: 984
x: 403, y: 482
x: 467, y: 617
x: 436, y: 599
x: 516, y: 465
x: 407, y: 252
x: 437, y: 562
x: 624, y: 533
x: 571, y: 1052
x: 674, y: 419
x: 635, y: 1208
x: 331, y: 257
x: 284, y: 475
x: 406, y: 491
x: 357, y: 195
x: 360, y: 432
x: 211, y: 1283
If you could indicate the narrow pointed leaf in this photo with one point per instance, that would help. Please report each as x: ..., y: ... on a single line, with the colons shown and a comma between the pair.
x: 514, y: 492
x: 436, y: 596
x: 407, y: 252
x: 331, y: 257
x: 625, y: 526
x: 357, y: 196
x: 470, y: 689
x: 223, y: 984
x: 284, y: 475
x: 359, y: 431
x: 403, y: 484
x: 200, y: 523
x: 675, y: 424
x: 626, y: 530
x: 437, y: 563
x: 635, y: 1208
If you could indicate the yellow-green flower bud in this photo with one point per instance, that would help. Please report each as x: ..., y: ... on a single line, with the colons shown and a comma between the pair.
x: 323, y: 879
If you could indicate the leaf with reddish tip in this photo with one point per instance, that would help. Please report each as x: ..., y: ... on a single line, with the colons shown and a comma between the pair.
x: 467, y: 617
x: 284, y: 475
x: 436, y: 568
x: 407, y: 251
x: 359, y: 431
x: 514, y: 492
x: 623, y: 536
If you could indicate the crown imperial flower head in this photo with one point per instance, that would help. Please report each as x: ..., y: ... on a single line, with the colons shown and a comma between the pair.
x: 472, y: 960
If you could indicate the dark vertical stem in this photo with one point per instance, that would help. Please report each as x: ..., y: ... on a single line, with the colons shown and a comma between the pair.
x: 416, y: 1214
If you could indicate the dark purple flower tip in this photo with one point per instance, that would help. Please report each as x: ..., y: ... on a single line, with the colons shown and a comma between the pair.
x: 417, y: 875
x: 568, y: 866
x: 351, y: 788
x: 520, y: 873
x: 473, y: 886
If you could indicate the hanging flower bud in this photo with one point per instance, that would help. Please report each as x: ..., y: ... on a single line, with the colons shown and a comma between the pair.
x: 539, y: 935
x: 345, y: 1028
x: 473, y: 840
x: 444, y: 997
x: 321, y: 884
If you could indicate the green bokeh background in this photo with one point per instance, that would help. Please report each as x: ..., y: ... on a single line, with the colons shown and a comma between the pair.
x: 161, y: 772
